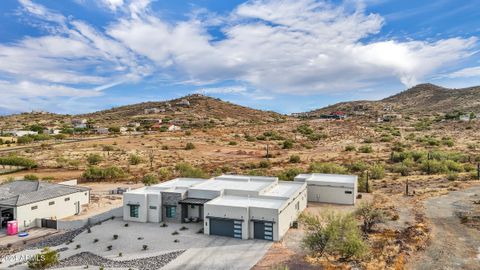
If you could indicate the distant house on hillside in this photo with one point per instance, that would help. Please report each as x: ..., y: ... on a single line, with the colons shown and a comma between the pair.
x: 101, y: 130
x: 391, y: 116
x: 79, y: 123
x: 133, y: 124
x: 337, y: 115
x: 464, y: 118
x: 20, y: 133
x: 151, y: 121
x: 174, y: 128
x: 183, y: 103
x: 153, y: 110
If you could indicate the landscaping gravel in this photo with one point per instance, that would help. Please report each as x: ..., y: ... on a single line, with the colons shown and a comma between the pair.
x: 88, y: 258
x: 56, y: 240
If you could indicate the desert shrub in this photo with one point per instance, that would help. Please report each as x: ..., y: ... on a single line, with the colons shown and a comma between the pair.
x: 294, y: 159
x: 468, y: 167
x: 386, y: 138
x: 453, y: 166
x: 287, y: 144
x: 350, y: 148
x: 94, y: 159
x: 317, y: 136
x: 358, y: 166
x: 164, y: 173
x: 433, y: 167
x: 264, y: 164
x: 289, y: 174
x: 448, y: 142
x: 144, y: 247
x: 369, y: 215
x: 452, y: 176
x: 13, y: 160
x: 305, y: 129
x: 115, y: 236
x: 472, y: 146
x: 377, y: 171
x: 261, y: 138
x: 108, y: 148
x: 422, y: 125
x: 365, y: 149
x: 189, y: 146
x: 187, y: 170
x: 150, y: 179
x: 368, y: 140
x: 333, y: 235
x: 31, y: 177
x: 45, y: 259
x: 249, y: 138
x: 135, y: 159
x: 232, y: 143
x: 320, y: 167
x: 188, y: 133
x: 108, y: 173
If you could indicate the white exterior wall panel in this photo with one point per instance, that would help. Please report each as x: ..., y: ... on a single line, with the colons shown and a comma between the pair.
x: 228, y: 212
x: 328, y: 194
x: 290, y: 214
x: 135, y: 199
x: 26, y: 216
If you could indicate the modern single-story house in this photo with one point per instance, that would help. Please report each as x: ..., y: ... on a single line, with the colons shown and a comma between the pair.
x: 330, y: 188
x: 245, y: 207
x: 28, y: 202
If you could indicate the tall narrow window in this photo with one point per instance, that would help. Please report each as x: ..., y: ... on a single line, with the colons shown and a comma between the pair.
x: 134, y: 211
x: 171, y: 211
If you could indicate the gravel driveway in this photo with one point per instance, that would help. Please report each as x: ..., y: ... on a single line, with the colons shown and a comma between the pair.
x: 453, y: 245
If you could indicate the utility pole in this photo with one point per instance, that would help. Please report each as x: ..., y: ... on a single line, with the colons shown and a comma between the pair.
x: 268, y: 154
x: 478, y: 171
x: 406, y: 188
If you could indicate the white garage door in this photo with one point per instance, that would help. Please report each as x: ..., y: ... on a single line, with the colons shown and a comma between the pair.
x: 329, y: 194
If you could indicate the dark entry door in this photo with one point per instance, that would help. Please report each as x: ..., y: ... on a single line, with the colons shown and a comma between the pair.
x: 222, y: 227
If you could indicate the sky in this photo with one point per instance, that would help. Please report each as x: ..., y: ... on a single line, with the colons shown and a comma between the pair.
x: 283, y: 55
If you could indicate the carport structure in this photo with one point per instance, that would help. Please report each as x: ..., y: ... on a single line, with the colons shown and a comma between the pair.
x: 192, y: 209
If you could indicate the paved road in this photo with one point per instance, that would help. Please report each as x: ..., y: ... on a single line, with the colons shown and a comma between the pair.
x: 222, y: 253
x: 453, y: 245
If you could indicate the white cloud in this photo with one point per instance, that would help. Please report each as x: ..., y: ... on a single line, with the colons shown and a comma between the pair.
x: 281, y: 46
x: 222, y: 90
x: 465, y: 73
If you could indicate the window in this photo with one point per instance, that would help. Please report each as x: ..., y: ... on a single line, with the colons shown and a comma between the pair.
x: 171, y: 211
x: 51, y: 203
x: 297, y: 206
x: 152, y: 207
x: 85, y: 193
x: 348, y: 192
x: 192, y: 206
x: 134, y: 211
x: 34, y: 207
x: 67, y: 199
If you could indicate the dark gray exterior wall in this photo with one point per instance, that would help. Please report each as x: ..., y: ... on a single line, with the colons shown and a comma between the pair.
x: 172, y: 199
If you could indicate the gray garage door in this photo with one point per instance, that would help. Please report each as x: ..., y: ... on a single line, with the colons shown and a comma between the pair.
x: 226, y: 227
x: 263, y: 230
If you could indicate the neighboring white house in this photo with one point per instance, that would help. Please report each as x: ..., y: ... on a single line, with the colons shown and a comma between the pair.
x: 330, y: 188
x: 174, y: 128
x: 32, y: 203
x: 21, y: 133
x: 246, y: 207
x: 101, y: 130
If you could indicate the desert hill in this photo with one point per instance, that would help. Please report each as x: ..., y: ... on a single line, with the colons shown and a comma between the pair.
x: 421, y: 99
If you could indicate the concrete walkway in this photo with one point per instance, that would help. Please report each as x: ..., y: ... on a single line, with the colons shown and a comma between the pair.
x: 33, y: 233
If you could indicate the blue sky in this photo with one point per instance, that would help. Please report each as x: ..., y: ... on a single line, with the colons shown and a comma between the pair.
x: 283, y: 55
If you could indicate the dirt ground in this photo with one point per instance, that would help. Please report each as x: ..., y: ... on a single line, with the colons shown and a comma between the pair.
x: 453, y: 245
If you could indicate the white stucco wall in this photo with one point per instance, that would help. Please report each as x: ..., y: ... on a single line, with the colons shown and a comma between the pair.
x: 154, y: 201
x: 26, y: 217
x: 289, y: 214
x: 328, y: 194
x: 135, y: 198
x: 230, y: 212
x: 263, y: 214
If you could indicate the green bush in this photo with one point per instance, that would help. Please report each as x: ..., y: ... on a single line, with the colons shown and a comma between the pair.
x: 377, y: 171
x: 287, y: 144
x: 333, y: 235
x: 264, y: 164
x: 452, y: 176
x: 350, y: 148
x: 18, y: 161
x: 45, y: 259
x: 368, y: 140
x: 150, y: 179
x: 134, y: 159
x: 305, y: 129
x: 358, y: 166
x: 317, y: 136
x: 32, y: 177
x: 187, y: 170
x: 320, y: 167
x: 108, y: 148
x: 109, y: 173
x: 433, y: 167
x: 289, y: 174
x: 94, y: 159
x: 369, y: 215
x: 294, y: 159
x: 189, y: 146
x: 232, y: 143
x: 365, y: 149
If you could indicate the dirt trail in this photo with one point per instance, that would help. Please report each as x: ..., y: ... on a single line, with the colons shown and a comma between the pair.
x: 453, y: 245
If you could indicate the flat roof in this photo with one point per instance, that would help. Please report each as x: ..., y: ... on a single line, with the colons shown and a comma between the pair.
x: 328, y: 179
x: 284, y: 189
x: 179, y: 183
x: 242, y: 201
x: 218, y: 185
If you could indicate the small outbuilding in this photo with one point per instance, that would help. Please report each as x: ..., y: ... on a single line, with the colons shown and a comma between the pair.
x: 330, y: 188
